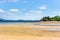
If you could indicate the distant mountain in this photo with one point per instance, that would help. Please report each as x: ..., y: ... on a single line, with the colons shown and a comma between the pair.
x: 4, y: 20
x: 1, y: 19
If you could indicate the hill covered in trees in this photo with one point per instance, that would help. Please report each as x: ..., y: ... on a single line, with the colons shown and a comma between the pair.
x: 47, y: 18
x: 4, y: 20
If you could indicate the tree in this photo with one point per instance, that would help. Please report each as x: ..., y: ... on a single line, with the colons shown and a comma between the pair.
x: 57, y: 18
x: 47, y: 18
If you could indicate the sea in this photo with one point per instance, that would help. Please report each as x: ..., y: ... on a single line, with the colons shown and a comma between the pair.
x: 16, y: 23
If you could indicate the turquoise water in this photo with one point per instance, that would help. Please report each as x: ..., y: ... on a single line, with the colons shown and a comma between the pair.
x: 8, y: 22
x: 13, y: 22
x: 17, y: 23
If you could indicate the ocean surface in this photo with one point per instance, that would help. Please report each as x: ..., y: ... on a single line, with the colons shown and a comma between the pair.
x: 16, y: 23
x: 32, y: 23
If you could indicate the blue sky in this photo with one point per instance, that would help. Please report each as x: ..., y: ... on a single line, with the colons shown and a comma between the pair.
x: 28, y: 9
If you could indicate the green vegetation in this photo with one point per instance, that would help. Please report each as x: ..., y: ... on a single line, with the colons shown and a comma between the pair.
x: 47, y: 18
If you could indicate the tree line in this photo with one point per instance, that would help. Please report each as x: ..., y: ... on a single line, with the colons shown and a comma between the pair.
x: 47, y: 18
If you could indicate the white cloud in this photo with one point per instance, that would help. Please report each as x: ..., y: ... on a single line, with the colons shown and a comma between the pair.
x: 11, y: 16
x: 25, y: 1
x: 36, y: 11
x: 56, y: 13
x: 1, y: 10
x: 43, y: 7
x: 53, y: 13
x: 12, y: 0
x: 14, y: 10
x: 15, y: 14
x: 32, y: 15
x: 4, y: 1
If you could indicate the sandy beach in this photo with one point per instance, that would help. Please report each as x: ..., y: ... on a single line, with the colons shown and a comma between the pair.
x: 28, y: 32
x: 7, y: 37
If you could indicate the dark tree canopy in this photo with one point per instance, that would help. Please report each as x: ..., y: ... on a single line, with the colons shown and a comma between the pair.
x: 47, y: 18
